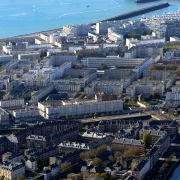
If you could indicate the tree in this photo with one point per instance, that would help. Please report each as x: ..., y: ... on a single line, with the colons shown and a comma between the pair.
x: 132, y: 152
x: 96, y: 162
x: 86, y: 126
x: 103, y: 66
x: 105, y: 176
x: 83, y: 156
x: 68, y: 116
x: 124, y: 43
x: 117, y: 154
x: 102, y: 148
x: 111, y: 158
x: 79, y: 175
x: 66, y: 167
x: 21, y: 177
x: 153, y: 77
x: 154, y: 93
x: 147, y: 139
x: 92, y: 125
x: 65, y: 48
x: 97, y: 175
x: 91, y: 175
x: 85, y: 176
x: 2, y: 177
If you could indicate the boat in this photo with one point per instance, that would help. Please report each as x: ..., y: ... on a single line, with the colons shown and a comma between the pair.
x: 87, y: 5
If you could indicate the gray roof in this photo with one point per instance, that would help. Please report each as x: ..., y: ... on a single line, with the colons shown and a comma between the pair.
x: 126, y: 141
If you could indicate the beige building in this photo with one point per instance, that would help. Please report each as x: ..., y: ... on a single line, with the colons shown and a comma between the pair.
x: 11, y: 170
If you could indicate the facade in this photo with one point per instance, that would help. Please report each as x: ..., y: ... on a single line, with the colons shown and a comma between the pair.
x: 11, y: 170
x: 4, y: 117
x: 116, y: 124
x: 141, y: 169
x: 129, y: 142
x: 96, y: 62
x: 41, y: 93
x: 84, y: 107
x: 11, y: 103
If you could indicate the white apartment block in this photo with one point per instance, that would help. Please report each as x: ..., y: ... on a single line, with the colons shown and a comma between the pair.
x: 176, y: 89
x: 145, y: 64
x: 18, y: 72
x: 26, y: 114
x: 72, y: 87
x: 41, y: 82
x: 41, y: 93
x: 66, y: 65
x: 4, y: 117
x: 29, y: 75
x: 84, y: 107
x: 173, y: 96
x: 11, y: 103
x: 146, y: 90
x: 11, y: 170
x: 77, y: 30
x: 96, y: 62
x: 6, y: 58
x: 28, y: 56
x: 159, y: 74
x: 115, y: 37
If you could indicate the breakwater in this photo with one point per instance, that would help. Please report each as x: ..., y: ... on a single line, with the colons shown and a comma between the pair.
x: 137, y: 12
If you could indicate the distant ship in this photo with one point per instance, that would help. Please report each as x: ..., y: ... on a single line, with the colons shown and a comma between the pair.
x: 144, y: 1
x: 87, y: 5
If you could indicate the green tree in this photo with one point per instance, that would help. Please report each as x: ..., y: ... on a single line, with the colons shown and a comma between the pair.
x: 153, y: 77
x: 103, y: 66
x: 2, y: 177
x: 96, y: 162
x: 154, y: 93
x: 68, y: 116
x: 65, y: 48
x: 66, y: 167
x: 147, y: 139
x: 124, y: 43
x: 21, y: 177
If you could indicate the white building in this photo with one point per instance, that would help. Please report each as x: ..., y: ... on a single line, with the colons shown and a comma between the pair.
x: 110, y: 61
x: 84, y: 107
x: 29, y: 75
x: 12, y: 103
x: 173, y: 96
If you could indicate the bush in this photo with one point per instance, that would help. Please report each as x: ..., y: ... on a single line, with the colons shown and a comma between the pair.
x: 96, y: 162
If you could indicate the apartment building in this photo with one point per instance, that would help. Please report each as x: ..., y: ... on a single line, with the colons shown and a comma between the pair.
x: 116, y: 124
x: 28, y: 56
x: 84, y: 107
x: 41, y: 93
x: 141, y: 169
x: 4, y: 117
x: 96, y: 62
x: 146, y: 90
x: 129, y: 142
x: 171, y: 127
x: 26, y: 114
x: 11, y: 103
x: 69, y: 146
x: 11, y: 170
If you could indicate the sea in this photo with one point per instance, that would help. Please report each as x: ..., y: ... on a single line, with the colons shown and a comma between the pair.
x: 18, y: 17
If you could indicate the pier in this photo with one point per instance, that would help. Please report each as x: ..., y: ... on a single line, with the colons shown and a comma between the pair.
x: 137, y: 12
